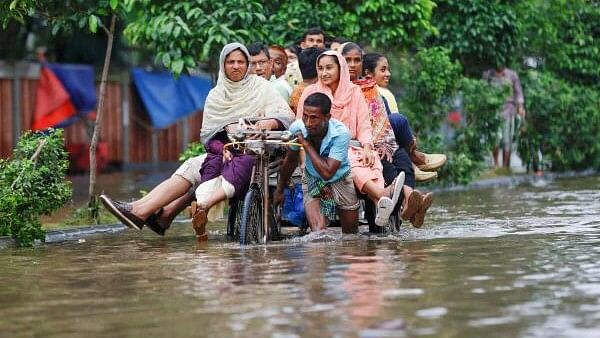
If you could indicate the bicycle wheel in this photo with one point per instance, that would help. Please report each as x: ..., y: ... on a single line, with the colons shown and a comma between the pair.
x: 251, y: 226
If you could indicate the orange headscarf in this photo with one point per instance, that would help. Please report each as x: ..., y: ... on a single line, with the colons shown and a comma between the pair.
x: 348, y: 104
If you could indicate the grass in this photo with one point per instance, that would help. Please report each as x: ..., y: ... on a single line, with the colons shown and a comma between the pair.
x: 70, y: 217
x: 494, y: 172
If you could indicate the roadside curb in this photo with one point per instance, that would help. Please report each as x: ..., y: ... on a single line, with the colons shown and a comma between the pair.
x: 513, y: 180
x: 62, y: 235
x: 73, y: 234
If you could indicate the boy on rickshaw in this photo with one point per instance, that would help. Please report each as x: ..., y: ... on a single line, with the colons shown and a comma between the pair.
x: 327, y: 184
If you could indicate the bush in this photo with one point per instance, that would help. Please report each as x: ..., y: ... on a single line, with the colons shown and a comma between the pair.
x: 193, y: 149
x: 479, y: 33
x: 565, y: 35
x: 428, y: 79
x: 32, y: 184
x: 475, y: 139
x: 563, y: 122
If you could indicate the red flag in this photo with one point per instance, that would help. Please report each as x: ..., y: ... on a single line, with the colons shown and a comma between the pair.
x: 53, y: 103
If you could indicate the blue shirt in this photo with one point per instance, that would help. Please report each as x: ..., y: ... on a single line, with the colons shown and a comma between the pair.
x: 334, y: 145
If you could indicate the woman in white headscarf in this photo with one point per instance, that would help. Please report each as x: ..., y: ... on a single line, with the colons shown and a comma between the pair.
x: 236, y: 96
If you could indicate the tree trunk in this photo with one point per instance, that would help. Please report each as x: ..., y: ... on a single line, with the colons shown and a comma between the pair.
x: 93, y: 203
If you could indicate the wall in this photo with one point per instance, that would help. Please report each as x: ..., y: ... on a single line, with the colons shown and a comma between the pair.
x: 125, y: 128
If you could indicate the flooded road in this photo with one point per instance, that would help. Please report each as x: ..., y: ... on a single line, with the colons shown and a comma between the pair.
x: 511, y: 262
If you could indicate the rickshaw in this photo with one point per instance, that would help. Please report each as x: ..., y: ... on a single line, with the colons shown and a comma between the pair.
x: 254, y: 219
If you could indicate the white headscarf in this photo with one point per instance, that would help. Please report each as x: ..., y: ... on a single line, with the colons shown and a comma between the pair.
x: 250, y: 98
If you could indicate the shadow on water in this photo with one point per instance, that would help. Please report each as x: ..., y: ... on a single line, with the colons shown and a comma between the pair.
x: 515, y: 262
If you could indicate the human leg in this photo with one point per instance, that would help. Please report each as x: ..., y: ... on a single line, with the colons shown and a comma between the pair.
x: 506, y: 140
x: 347, y: 204
x: 314, y: 217
x: 171, y: 210
x: 163, y: 194
x: 349, y: 221
x: 135, y: 214
x: 209, y: 194
x: 312, y: 208
x: 400, y: 162
x: 383, y: 198
x: 374, y: 190
x: 419, y: 217
x: 401, y: 128
x: 405, y: 139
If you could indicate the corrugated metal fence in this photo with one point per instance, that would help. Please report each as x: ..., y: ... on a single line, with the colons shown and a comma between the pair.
x: 125, y: 128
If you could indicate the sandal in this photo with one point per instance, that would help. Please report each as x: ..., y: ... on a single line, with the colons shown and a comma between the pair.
x: 413, y: 204
x: 152, y: 223
x: 385, y: 206
x: 199, y: 220
x: 432, y: 162
x: 419, y: 218
x: 397, y: 184
x: 122, y: 211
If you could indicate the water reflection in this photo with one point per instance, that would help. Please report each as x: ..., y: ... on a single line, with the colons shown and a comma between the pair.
x: 512, y: 262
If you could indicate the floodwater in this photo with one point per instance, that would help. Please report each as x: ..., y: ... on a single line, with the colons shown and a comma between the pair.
x: 512, y: 262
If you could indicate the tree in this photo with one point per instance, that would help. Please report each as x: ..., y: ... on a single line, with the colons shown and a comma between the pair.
x: 565, y: 35
x: 479, y: 33
x: 66, y: 16
x: 33, y: 183
x: 184, y: 33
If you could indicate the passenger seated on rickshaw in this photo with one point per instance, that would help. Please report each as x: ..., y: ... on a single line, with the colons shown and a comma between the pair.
x: 237, y: 95
x: 327, y: 183
x: 226, y: 173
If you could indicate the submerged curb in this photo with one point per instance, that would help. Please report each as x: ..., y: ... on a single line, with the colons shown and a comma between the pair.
x: 77, y: 233
x: 73, y: 234
x: 62, y: 235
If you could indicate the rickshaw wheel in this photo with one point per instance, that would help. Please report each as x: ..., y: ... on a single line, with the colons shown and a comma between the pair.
x: 251, y: 226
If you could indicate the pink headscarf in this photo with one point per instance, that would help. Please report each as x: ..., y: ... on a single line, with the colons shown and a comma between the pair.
x: 348, y: 104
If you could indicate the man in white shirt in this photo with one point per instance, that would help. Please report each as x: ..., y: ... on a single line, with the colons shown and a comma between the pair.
x: 262, y: 65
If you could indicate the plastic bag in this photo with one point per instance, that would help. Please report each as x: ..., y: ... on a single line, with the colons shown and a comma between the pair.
x: 293, y: 206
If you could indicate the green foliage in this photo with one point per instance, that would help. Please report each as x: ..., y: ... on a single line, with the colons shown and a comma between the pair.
x: 475, y: 139
x: 184, y: 33
x: 377, y: 23
x: 65, y: 16
x: 565, y: 33
x: 193, y: 149
x: 31, y: 186
x: 429, y: 79
x: 81, y: 216
x: 480, y: 33
x: 563, y: 121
